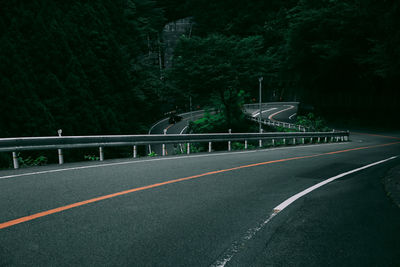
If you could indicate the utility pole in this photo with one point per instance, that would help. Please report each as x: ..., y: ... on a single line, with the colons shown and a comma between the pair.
x: 259, y: 116
x: 190, y: 108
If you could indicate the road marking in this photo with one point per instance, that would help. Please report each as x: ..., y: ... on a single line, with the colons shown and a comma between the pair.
x: 291, y: 116
x: 158, y: 159
x: 183, y: 130
x: 85, y: 202
x: 276, y: 113
x: 182, y: 114
x: 169, y: 126
x: 292, y: 199
x: 254, y: 114
x: 236, y: 246
x: 379, y: 135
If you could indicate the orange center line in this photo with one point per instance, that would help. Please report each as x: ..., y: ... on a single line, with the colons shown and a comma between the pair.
x: 85, y: 202
x: 169, y: 126
x: 379, y: 135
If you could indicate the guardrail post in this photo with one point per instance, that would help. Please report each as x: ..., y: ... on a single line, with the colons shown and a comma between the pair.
x: 101, y: 152
x: 60, y: 156
x: 294, y: 141
x: 229, y: 142
x: 326, y: 139
x: 319, y: 139
x: 15, y: 160
x: 303, y: 141
x: 260, y: 141
x: 163, y: 145
x: 245, y: 144
x: 311, y: 140
x: 188, y: 148
x: 273, y: 142
x: 284, y: 141
x: 134, y: 151
x: 209, y: 146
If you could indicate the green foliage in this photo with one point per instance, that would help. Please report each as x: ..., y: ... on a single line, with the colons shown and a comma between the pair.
x: 152, y: 154
x: 286, y: 130
x: 313, y: 123
x: 91, y: 157
x: 342, y: 57
x: 217, y: 70
x: 92, y: 67
x: 217, y: 123
x: 240, y: 146
x: 86, y: 67
x: 29, y: 161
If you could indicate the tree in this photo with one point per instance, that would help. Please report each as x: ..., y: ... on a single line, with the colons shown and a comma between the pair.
x: 217, y: 68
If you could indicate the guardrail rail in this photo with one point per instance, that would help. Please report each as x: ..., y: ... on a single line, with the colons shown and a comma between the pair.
x: 15, y: 145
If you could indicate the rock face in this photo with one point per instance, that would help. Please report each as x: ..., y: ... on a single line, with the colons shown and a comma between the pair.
x: 171, y: 34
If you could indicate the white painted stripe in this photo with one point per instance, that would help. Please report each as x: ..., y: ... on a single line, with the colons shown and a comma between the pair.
x: 291, y: 116
x: 235, y: 247
x: 137, y: 161
x: 292, y: 199
x: 182, y: 114
x: 257, y: 113
x: 183, y: 130
x: 276, y: 113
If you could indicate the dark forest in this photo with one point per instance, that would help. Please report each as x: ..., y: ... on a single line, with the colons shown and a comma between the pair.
x: 98, y: 67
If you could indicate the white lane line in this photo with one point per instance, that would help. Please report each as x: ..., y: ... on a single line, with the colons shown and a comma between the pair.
x: 167, y: 158
x: 237, y: 245
x: 276, y: 113
x: 182, y: 114
x: 257, y: 113
x: 183, y: 129
x: 291, y: 116
x: 292, y: 199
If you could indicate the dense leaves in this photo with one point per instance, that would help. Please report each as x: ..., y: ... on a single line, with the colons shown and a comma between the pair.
x: 85, y: 67
x: 342, y: 57
x: 217, y: 69
x: 93, y: 67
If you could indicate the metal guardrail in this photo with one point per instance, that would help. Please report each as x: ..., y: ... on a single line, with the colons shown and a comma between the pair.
x: 269, y: 104
x: 280, y: 124
x: 273, y: 122
x: 15, y: 145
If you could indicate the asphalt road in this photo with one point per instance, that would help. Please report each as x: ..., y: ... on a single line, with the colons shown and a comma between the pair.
x: 218, y: 214
x: 177, y: 128
x: 276, y: 112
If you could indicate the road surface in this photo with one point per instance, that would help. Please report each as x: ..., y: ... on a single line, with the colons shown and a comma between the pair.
x: 283, y: 112
x: 207, y: 209
x: 177, y: 128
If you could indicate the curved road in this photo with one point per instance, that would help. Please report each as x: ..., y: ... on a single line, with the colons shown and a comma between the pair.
x: 218, y: 209
x: 283, y: 112
x: 177, y: 128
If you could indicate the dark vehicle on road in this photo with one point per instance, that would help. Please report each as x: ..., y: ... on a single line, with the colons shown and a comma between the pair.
x: 173, y: 117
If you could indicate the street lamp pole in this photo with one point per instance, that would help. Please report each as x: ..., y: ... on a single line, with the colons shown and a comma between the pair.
x: 259, y: 116
x: 190, y: 107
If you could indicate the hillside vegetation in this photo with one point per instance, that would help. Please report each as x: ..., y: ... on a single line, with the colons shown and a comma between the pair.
x: 93, y: 67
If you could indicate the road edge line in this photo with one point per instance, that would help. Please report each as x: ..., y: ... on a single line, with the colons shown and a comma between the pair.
x: 234, y: 249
